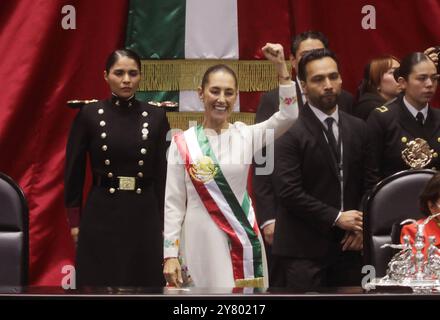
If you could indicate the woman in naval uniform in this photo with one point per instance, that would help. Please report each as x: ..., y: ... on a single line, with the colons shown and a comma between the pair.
x: 406, y: 133
x: 120, y: 226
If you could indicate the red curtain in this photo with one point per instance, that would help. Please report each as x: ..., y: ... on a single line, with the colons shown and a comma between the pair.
x: 402, y: 26
x: 261, y: 21
x: 42, y: 66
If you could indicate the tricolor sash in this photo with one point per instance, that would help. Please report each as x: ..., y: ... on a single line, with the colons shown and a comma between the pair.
x: 237, y: 221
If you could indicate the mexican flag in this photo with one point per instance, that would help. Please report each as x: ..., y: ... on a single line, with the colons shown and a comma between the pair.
x: 180, y: 39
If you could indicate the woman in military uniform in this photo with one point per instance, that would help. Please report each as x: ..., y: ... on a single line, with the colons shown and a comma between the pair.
x: 406, y: 133
x: 120, y: 238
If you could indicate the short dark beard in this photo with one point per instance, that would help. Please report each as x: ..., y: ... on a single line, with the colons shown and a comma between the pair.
x: 321, y: 104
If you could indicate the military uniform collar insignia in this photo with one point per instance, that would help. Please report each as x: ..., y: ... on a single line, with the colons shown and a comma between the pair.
x: 123, y: 103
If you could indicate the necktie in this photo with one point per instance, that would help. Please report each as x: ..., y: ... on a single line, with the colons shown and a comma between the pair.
x: 420, y: 118
x: 331, y: 138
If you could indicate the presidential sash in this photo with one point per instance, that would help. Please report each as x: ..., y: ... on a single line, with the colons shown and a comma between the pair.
x: 235, y: 219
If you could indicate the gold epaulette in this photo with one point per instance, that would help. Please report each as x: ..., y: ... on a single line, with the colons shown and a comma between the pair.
x: 164, y: 104
x: 382, y: 109
x: 79, y: 103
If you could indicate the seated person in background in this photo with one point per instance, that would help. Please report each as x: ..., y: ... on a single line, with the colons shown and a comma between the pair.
x: 378, y: 85
x: 429, y: 205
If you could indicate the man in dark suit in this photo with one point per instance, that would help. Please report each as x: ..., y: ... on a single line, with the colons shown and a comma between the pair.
x: 265, y: 202
x: 323, y: 168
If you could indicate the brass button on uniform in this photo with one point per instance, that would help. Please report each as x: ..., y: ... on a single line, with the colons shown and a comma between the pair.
x: 103, y: 135
x: 144, y: 137
x: 107, y: 162
x: 438, y: 139
x: 102, y: 123
x: 404, y: 140
x: 112, y: 190
x: 143, y: 151
x: 104, y: 147
x: 140, y: 174
x: 144, y: 114
x: 110, y: 175
x: 138, y: 190
x: 145, y: 131
x: 101, y: 111
x: 141, y: 162
x: 435, y: 154
x: 145, y: 125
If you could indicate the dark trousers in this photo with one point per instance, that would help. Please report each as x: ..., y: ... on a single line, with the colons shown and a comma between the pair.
x: 271, y: 263
x: 305, y: 275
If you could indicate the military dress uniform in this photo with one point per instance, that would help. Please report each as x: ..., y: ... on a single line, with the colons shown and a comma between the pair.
x: 120, y: 239
x: 394, y: 130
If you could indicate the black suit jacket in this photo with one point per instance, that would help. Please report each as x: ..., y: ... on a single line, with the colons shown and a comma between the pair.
x: 308, y: 187
x: 367, y: 103
x: 392, y: 127
x: 265, y: 199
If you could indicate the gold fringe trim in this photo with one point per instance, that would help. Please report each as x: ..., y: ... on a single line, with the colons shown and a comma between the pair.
x: 177, y: 75
x: 254, y: 283
x: 185, y: 120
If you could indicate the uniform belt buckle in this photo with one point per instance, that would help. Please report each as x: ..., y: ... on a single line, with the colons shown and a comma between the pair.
x: 127, y: 183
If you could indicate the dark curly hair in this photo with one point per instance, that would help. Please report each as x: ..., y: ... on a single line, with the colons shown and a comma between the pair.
x: 431, y: 192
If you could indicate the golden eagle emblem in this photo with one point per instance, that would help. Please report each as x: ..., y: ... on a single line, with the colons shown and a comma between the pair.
x: 203, y: 170
x: 417, y: 154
